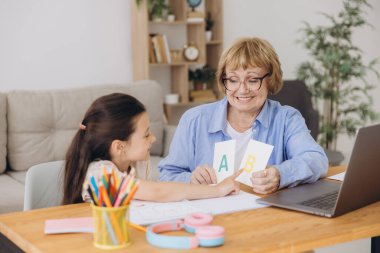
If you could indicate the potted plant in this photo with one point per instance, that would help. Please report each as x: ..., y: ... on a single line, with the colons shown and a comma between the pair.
x: 336, y: 73
x: 171, y: 16
x: 202, y: 77
x: 209, y: 24
x: 157, y: 9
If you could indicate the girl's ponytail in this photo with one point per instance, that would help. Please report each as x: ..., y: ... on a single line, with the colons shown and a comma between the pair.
x: 77, y: 162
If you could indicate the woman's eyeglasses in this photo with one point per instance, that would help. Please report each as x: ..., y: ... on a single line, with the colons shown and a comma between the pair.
x: 253, y: 83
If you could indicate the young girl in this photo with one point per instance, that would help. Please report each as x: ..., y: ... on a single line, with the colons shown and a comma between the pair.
x: 115, y: 133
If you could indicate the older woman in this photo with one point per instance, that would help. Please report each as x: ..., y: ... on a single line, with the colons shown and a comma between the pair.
x: 248, y: 71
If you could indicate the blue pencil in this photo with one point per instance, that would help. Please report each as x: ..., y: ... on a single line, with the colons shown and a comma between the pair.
x: 95, y: 187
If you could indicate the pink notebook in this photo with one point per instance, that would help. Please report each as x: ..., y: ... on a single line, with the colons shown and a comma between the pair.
x: 70, y: 225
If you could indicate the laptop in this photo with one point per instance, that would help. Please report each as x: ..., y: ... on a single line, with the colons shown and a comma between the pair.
x: 329, y: 198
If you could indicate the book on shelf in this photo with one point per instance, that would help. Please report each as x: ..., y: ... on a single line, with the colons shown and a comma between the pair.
x: 195, y: 14
x: 152, y: 56
x: 167, y: 50
x: 204, y: 99
x: 159, y: 52
x: 162, y: 48
x: 202, y: 95
x: 195, y: 20
x: 156, y: 49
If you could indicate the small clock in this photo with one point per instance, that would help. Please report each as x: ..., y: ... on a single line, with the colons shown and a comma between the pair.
x: 191, y: 52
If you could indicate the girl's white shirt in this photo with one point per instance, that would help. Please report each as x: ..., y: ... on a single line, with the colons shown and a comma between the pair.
x: 141, y: 169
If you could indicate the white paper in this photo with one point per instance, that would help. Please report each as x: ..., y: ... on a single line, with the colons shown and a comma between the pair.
x: 224, y: 159
x: 228, y: 204
x: 338, y: 177
x: 255, y: 159
x: 153, y: 212
x: 145, y: 212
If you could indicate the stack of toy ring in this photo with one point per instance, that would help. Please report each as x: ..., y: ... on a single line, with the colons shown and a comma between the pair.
x: 197, y: 223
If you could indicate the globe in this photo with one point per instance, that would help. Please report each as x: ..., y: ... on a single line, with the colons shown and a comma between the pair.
x: 194, y: 3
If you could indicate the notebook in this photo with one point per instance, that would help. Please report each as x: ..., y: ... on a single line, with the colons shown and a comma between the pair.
x: 360, y: 187
x: 69, y: 225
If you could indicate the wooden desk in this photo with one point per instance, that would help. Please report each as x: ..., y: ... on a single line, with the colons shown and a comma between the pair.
x: 261, y: 230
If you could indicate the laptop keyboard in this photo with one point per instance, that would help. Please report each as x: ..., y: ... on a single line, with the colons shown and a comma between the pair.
x: 324, y: 202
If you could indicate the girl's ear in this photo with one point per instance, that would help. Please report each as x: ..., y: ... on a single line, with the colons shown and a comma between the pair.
x: 117, y: 147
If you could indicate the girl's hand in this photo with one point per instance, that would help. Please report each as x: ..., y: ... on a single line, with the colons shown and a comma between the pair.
x: 229, y: 185
x: 203, y: 175
x: 266, y: 181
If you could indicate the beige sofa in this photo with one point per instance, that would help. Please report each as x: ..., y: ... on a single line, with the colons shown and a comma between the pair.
x: 37, y: 127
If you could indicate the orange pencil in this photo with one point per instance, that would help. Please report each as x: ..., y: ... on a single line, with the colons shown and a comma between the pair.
x: 104, y: 194
x: 105, y: 174
x: 100, y: 198
x: 131, y: 193
x: 115, y: 179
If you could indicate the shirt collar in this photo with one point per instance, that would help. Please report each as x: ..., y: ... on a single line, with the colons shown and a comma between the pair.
x: 264, y: 116
x: 219, y: 119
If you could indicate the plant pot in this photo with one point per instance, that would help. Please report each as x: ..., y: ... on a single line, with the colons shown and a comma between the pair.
x: 171, y: 98
x: 208, y: 35
x: 335, y: 157
x: 170, y: 18
x: 157, y: 19
x: 200, y: 86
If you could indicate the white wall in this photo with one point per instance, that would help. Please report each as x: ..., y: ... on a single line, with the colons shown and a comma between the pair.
x: 68, y: 43
x: 279, y: 22
x: 64, y: 43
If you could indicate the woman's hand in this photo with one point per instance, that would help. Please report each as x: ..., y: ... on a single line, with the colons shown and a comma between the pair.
x: 229, y: 185
x: 266, y: 181
x: 203, y: 174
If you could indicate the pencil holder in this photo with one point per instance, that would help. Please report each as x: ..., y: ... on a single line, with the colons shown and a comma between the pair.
x: 111, y: 227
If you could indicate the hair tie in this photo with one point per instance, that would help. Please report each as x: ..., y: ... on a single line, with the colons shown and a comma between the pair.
x: 82, y: 127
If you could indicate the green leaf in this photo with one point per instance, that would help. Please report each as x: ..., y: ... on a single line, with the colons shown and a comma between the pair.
x: 336, y: 72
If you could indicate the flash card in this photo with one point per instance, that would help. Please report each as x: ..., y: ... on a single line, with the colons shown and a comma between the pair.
x: 255, y: 158
x: 224, y: 159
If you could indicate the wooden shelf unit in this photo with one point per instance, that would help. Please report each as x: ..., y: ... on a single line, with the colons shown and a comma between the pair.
x: 195, y: 32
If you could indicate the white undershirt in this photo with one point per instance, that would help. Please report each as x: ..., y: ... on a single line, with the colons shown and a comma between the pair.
x: 242, y: 140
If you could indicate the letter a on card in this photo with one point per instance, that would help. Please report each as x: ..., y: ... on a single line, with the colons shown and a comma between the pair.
x: 224, y: 159
x: 255, y: 158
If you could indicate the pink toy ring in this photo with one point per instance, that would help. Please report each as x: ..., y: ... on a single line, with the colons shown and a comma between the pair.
x: 210, y: 232
x: 196, y: 220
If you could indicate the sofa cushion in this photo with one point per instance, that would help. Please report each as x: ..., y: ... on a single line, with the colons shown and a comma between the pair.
x: 3, y: 132
x: 12, y: 194
x: 19, y: 176
x: 41, y: 124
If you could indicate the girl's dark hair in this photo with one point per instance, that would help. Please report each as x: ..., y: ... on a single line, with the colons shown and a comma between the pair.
x: 111, y: 117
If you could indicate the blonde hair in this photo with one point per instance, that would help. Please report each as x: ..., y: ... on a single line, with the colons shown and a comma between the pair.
x: 252, y: 52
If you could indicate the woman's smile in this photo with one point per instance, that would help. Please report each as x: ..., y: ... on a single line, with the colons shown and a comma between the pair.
x: 244, y: 98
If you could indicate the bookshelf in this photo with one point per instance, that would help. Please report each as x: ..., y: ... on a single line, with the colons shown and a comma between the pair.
x: 178, y: 33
